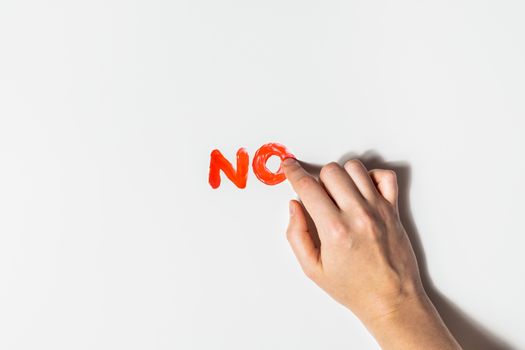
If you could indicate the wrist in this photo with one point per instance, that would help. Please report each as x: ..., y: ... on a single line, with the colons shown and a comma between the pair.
x: 413, y: 324
x: 417, y: 304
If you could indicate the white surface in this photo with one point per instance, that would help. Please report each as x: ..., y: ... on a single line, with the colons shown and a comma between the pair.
x: 110, y: 236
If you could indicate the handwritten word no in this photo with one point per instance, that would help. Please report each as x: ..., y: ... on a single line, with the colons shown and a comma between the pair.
x: 239, y: 176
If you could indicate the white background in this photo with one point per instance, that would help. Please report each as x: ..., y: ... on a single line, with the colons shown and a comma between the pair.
x: 111, y: 237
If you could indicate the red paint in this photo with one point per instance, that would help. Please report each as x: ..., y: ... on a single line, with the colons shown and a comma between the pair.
x: 218, y: 163
x: 240, y: 176
x: 266, y: 151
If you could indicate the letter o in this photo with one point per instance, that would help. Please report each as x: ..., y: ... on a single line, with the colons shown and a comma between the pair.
x: 264, y: 174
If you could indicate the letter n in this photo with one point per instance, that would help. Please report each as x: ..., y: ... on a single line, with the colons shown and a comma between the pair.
x: 218, y: 163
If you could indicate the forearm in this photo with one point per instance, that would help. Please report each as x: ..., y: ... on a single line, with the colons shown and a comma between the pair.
x: 414, y: 325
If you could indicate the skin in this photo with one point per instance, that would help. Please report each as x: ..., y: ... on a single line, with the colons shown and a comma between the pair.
x: 364, y: 259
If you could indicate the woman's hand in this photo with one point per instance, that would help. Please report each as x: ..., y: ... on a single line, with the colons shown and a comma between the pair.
x: 364, y: 260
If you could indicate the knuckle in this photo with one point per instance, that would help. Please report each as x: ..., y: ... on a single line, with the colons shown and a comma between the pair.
x: 353, y: 163
x: 305, y: 182
x: 364, y: 220
x: 391, y: 174
x: 339, y: 231
x: 360, y: 224
x: 329, y: 168
x: 370, y: 226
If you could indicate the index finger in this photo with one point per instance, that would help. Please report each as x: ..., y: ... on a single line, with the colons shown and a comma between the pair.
x: 315, y: 199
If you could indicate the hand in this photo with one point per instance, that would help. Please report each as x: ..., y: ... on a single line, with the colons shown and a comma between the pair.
x: 365, y: 260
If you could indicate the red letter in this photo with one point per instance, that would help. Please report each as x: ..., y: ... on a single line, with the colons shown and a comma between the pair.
x: 260, y: 159
x: 218, y: 163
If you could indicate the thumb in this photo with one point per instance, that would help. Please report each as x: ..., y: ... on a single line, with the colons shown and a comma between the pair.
x: 301, y: 242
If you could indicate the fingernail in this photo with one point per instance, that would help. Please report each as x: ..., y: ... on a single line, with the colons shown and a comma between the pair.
x: 289, y: 161
x: 292, y: 208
